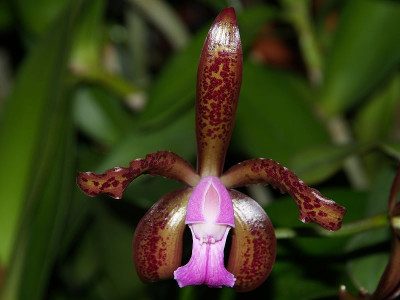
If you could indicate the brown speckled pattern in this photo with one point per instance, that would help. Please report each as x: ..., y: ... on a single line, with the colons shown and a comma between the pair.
x: 312, y: 205
x: 218, y: 84
x: 114, y: 181
x: 157, y: 244
x: 253, y: 247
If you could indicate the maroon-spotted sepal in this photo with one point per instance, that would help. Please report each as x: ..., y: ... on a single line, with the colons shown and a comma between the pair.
x: 253, y: 248
x: 219, y: 78
x: 114, y: 181
x: 313, y: 206
x: 157, y: 244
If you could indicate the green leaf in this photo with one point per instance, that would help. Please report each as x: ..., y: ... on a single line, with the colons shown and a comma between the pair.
x: 165, y: 18
x: 375, y: 120
x: 6, y: 17
x: 178, y: 136
x: 392, y: 148
x: 43, y: 226
x: 251, y: 21
x: 87, y: 42
x: 44, y: 214
x: 377, y: 200
x: 273, y: 117
x: 149, y: 190
x: 174, y: 89
x: 319, y: 162
x: 37, y: 16
x: 80, y: 269
x: 26, y: 125
x: 365, y: 48
x: 293, y: 281
x: 138, y: 31
x: 114, y: 249
x: 366, y: 270
x: 100, y: 115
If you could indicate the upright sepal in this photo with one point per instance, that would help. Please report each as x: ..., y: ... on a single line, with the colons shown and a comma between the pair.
x: 253, y: 248
x: 218, y: 84
x: 114, y: 181
x: 312, y: 205
x: 157, y: 244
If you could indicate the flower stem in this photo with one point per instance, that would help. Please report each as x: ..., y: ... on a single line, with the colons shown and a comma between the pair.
x: 347, y: 229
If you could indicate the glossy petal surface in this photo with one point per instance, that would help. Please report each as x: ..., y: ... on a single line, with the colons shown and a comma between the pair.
x: 312, y: 205
x: 206, y: 266
x: 219, y: 78
x: 253, y: 247
x: 210, y: 203
x: 157, y: 244
x: 114, y: 181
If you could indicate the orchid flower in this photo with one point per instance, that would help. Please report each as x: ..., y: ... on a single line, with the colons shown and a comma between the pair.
x: 209, y: 205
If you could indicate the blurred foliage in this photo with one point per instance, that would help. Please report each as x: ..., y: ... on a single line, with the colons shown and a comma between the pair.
x: 87, y: 85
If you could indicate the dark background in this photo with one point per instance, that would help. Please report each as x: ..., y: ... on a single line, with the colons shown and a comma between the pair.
x: 89, y: 85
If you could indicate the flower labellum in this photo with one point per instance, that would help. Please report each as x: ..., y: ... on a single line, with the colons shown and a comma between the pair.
x: 210, y: 217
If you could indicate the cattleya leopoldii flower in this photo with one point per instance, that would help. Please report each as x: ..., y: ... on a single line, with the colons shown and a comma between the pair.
x: 209, y: 205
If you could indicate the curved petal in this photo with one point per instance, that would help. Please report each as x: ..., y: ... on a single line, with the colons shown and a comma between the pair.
x: 253, y: 247
x: 114, y: 181
x: 157, y: 244
x: 219, y: 78
x: 312, y: 205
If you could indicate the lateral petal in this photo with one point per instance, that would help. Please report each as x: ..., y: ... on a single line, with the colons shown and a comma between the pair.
x: 253, y: 248
x: 219, y: 78
x: 114, y: 181
x: 157, y: 243
x: 312, y: 205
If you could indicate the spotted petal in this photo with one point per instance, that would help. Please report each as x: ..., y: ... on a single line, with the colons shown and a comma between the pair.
x: 157, y: 244
x: 253, y: 247
x: 219, y: 78
x: 114, y: 181
x: 312, y: 205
